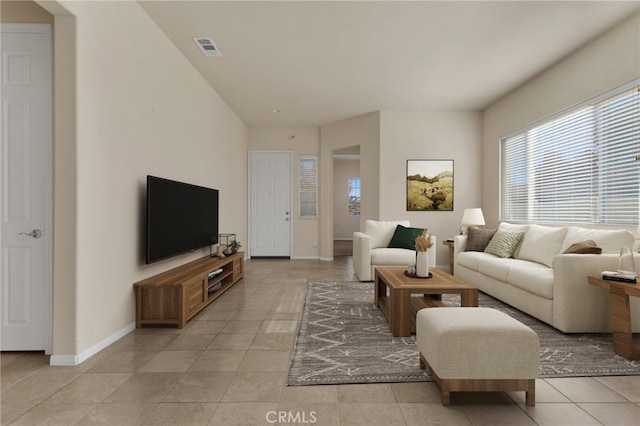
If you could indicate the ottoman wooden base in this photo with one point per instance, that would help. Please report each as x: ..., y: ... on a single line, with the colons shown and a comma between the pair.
x: 481, y: 385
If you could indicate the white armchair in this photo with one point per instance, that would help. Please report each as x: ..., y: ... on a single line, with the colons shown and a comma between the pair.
x: 370, y: 249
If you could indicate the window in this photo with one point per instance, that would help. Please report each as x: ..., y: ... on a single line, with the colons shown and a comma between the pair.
x: 578, y: 166
x: 354, y: 197
x: 308, y: 184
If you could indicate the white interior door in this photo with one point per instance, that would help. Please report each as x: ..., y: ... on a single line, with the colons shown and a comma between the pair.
x: 26, y: 188
x: 270, y: 204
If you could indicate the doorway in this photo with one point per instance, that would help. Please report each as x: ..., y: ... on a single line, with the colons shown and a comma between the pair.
x: 346, y: 199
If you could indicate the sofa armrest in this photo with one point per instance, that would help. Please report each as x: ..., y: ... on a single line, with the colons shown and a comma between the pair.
x: 577, y: 305
x: 459, y: 244
x: 362, y: 256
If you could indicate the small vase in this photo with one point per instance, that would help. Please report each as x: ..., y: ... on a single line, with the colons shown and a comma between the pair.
x: 626, y: 267
x: 422, y: 264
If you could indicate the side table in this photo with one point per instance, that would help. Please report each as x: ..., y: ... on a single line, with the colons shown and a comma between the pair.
x: 619, y: 293
x: 450, y: 244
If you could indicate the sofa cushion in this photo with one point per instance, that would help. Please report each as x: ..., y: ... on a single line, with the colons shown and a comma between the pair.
x: 405, y: 237
x: 392, y: 257
x: 470, y: 259
x: 381, y: 232
x: 532, y: 277
x: 505, y: 226
x: 610, y: 241
x: 478, y: 238
x: 583, y: 247
x: 541, y: 243
x: 504, y: 243
x: 494, y: 267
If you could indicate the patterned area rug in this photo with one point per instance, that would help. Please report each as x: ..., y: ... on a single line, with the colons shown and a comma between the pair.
x: 344, y: 338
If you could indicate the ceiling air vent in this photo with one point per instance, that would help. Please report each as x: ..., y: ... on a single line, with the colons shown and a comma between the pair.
x: 207, y: 46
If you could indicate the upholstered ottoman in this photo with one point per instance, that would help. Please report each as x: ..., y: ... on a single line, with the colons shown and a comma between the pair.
x: 477, y: 349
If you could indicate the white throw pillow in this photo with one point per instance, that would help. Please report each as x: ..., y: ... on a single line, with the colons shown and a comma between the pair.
x: 542, y: 243
x: 610, y: 241
x: 382, y: 231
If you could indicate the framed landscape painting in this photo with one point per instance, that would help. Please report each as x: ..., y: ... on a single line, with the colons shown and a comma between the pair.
x: 429, y: 185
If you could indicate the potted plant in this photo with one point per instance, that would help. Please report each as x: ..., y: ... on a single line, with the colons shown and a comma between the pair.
x: 234, y: 246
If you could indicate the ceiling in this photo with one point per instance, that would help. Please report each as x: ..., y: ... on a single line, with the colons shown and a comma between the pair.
x: 325, y: 61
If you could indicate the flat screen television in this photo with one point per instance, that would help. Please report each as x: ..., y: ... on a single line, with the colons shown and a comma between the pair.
x: 181, y: 217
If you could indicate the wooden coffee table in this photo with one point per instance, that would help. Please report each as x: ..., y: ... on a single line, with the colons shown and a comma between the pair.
x: 393, y: 290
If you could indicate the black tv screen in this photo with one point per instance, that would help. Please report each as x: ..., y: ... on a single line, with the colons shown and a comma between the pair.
x: 180, y: 218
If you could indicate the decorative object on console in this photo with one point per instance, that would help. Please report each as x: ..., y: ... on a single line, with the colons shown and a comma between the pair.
x: 422, y: 243
x: 215, y: 249
x: 234, y: 246
x: 226, y: 242
x: 626, y: 267
x: 429, y: 185
x: 471, y: 217
x: 615, y: 276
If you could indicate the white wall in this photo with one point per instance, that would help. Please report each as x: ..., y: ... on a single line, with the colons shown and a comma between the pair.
x: 607, y: 62
x: 344, y: 225
x: 141, y: 109
x: 300, y: 141
x: 430, y: 135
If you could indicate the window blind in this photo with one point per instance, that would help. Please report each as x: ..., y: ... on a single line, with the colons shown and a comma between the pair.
x: 308, y: 186
x: 578, y: 166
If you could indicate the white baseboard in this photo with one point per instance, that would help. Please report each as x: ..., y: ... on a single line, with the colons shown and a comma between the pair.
x: 71, y: 360
x: 304, y: 257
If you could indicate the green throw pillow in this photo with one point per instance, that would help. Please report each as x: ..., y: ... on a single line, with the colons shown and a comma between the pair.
x: 404, y: 237
x: 504, y: 243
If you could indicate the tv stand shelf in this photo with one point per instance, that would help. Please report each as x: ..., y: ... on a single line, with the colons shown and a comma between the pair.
x: 175, y: 296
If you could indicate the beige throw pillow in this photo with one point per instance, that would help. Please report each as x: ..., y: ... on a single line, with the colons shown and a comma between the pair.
x: 583, y: 247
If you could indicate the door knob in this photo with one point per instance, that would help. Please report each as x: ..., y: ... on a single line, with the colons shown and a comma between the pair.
x: 36, y: 233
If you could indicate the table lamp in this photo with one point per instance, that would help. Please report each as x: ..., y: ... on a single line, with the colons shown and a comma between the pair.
x: 471, y: 217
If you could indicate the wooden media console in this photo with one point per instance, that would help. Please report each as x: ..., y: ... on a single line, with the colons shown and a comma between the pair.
x: 175, y: 296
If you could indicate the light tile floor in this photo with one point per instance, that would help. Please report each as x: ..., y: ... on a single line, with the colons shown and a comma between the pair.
x: 228, y: 367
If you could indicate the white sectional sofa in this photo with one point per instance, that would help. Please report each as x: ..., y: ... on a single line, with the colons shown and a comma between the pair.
x: 370, y: 249
x: 545, y: 283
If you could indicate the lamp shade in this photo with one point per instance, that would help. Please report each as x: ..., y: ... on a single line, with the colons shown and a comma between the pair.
x: 472, y: 217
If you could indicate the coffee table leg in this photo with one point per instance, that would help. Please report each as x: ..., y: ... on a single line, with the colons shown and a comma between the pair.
x: 399, y: 320
x: 469, y: 298
x: 379, y: 289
